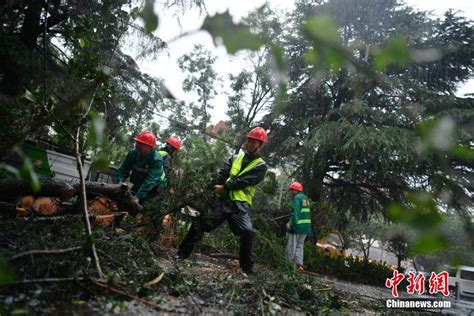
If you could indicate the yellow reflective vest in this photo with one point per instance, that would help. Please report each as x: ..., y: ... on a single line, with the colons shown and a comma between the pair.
x: 163, y: 179
x: 246, y: 194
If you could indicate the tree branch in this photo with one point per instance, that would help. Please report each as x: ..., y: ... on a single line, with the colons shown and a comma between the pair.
x: 47, y: 280
x: 43, y: 252
x: 84, y: 205
x: 130, y: 296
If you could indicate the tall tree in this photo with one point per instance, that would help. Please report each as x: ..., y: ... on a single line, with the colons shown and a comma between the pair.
x: 202, y: 79
x: 60, y: 55
x: 351, y: 128
x: 363, y: 235
x: 253, y: 89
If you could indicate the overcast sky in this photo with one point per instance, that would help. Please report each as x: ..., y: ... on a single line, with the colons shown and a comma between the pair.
x: 171, y: 27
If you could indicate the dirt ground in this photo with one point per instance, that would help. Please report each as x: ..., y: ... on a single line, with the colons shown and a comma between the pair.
x: 206, y: 285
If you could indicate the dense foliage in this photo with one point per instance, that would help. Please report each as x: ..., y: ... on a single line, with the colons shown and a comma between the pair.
x: 353, y: 137
x: 358, y: 97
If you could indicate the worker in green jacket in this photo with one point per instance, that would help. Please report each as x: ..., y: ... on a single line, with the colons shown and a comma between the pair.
x: 299, y: 225
x: 144, y: 165
x: 155, y: 216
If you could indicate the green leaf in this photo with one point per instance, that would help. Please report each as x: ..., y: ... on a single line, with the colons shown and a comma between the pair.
x: 29, y: 96
x: 96, y: 132
x: 396, y: 212
x: 322, y: 28
x: 463, y: 152
x: 11, y: 169
x: 335, y: 59
x: 326, y: 51
x: 82, y: 43
x: 21, y: 311
x: 78, y: 302
x: 311, y: 57
x: 235, y: 37
x: 135, y: 12
x: 281, y: 67
x: 88, y: 244
x: 277, y: 54
x: 100, y: 163
x: 429, y: 244
x: 113, y: 278
x: 149, y: 17
x: 396, y: 52
x: 27, y: 172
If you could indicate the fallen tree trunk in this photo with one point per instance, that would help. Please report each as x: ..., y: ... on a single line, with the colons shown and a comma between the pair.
x: 8, y: 209
x: 12, y: 189
x: 119, y: 193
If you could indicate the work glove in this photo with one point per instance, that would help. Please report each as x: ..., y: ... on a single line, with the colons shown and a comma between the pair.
x: 137, y: 207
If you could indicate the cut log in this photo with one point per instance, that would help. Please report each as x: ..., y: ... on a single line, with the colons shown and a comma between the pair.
x: 46, y: 206
x: 22, y: 212
x: 106, y: 212
x: 119, y: 193
x: 25, y: 205
x: 26, y: 202
x: 11, y: 189
x: 102, y: 205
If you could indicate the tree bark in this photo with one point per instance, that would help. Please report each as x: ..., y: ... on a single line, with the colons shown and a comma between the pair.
x: 11, y: 189
x: 30, y: 25
x: 120, y: 194
x: 8, y: 209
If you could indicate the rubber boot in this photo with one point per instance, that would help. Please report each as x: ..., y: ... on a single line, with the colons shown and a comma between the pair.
x: 245, y: 254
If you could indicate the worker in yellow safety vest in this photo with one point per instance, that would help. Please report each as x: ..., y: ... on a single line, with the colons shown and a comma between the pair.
x: 235, y: 187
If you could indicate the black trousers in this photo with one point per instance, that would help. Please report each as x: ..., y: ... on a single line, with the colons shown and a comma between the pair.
x: 240, y: 225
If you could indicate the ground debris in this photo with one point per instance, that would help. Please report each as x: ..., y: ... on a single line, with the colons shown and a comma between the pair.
x: 201, y: 284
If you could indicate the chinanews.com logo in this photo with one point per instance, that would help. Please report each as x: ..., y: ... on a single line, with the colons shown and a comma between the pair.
x: 413, y: 304
x: 437, y: 283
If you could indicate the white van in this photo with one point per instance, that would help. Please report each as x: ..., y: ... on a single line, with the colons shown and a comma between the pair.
x: 465, y: 276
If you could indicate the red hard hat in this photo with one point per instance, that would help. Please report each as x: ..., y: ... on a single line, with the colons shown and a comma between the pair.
x: 258, y: 133
x: 174, y: 142
x: 147, y: 138
x: 296, y: 186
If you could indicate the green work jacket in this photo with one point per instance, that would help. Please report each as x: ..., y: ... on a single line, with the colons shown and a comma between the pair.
x: 300, y: 220
x: 146, y: 172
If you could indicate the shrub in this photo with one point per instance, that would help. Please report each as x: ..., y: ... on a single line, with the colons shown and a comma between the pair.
x: 353, y: 269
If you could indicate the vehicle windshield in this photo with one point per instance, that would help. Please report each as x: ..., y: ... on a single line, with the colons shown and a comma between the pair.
x: 334, y: 240
x: 467, y: 275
